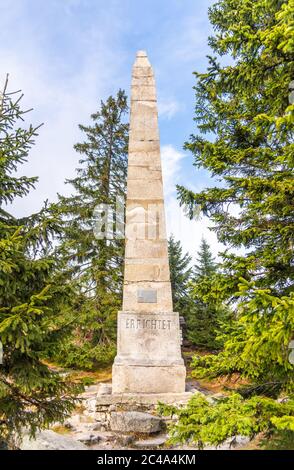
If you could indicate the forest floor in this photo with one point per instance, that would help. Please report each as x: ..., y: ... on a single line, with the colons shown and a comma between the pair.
x: 82, y: 427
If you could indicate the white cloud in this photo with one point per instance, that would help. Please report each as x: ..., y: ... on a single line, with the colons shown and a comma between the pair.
x: 65, y: 87
x: 188, y: 231
x: 168, y: 108
x: 171, y: 165
x: 62, y: 94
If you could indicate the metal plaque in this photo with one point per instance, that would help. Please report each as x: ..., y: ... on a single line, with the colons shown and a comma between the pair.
x: 147, y: 296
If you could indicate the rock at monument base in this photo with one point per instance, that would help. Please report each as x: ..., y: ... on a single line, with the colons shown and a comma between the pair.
x: 104, y: 389
x: 151, y: 443
x: 135, y: 422
x: 124, y: 441
x: 148, y: 379
x: 88, y: 438
x: 231, y: 443
x: 50, y: 440
x: 137, y: 401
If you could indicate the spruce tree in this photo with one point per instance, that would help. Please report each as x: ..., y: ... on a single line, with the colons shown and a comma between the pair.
x: 205, y: 265
x: 180, y: 274
x: 31, y: 292
x: 245, y: 106
x: 95, y: 265
x: 208, y: 309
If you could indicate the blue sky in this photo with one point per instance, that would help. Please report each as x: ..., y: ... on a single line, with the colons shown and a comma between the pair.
x: 67, y: 55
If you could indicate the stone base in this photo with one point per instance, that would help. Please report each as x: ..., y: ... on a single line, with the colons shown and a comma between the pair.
x: 148, y: 379
x: 140, y: 401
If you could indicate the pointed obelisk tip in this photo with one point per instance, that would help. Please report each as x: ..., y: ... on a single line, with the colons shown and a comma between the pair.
x: 141, y: 54
x: 142, y: 59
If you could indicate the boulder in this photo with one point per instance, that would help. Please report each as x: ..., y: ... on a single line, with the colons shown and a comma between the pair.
x: 104, y: 389
x: 50, y: 440
x: 91, y: 389
x: 97, y: 427
x: 90, y: 405
x: 107, y: 437
x: 231, y: 443
x: 73, y: 422
x: 135, y: 422
x: 151, y: 443
x: 88, y: 438
x: 124, y: 441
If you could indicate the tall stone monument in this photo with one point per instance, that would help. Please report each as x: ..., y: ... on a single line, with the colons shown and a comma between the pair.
x: 148, y: 346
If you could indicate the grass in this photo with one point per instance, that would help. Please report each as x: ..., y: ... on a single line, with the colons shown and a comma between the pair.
x: 217, y: 385
x: 92, y: 377
x: 222, y: 384
x: 280, y: 440
x: 60, y: 429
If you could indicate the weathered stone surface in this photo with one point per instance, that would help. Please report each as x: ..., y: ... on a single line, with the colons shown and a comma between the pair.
x: 100, y: 416
x: 98, y: 426
x: 145, y: 146
x: 164, y: 301
x: 148, y: 339
x: 143, y: 80
x: 152, y: 443
x: 149, y: 356
x: 141, y: 249
x: 104, y: 389
x: 149, y: 158
x: 144, y: 91
x: 148, y: 261
x: 88, y: 438
x: 142, y: 399
x: 82, y: 423
x: 157, y: 378
x: 145, y: 222
x: 124, y: 441
x: 90, y: 390
x: 142, y: 189
x: 73, y: 422
x: 107, y: 436
x: 231, y: 443
x: 135, y: 421
x: 90, y: 404
x: 144, y: 118
x: 144, y: 173
x: 139, y: 135
x: 50, y: 440
x: 142, y: 272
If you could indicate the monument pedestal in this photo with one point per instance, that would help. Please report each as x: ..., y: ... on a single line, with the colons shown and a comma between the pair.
x: 149, y: 355
x: 148, y: 379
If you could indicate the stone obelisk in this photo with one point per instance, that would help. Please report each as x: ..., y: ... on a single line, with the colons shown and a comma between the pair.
x: 148, y: 347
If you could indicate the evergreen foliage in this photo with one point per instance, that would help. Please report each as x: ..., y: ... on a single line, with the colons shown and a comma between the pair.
x: 205, y: 264
x: 256, y: 343
x: 245, y: 107
x: 208, y: 311
x: 95, y: 265
x: 180, y: 275
x: 203, y: 422
x: 31, y: 292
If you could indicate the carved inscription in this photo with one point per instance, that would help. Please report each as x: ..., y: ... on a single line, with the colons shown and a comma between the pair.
x: 148, y: 324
